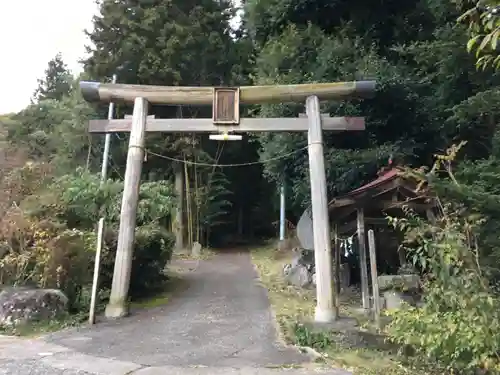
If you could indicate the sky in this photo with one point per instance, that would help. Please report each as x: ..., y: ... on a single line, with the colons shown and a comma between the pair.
x: 32, y: 32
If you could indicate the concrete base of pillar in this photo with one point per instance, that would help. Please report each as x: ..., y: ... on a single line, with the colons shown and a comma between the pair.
x: 116, y: 310
x: 323, y: 315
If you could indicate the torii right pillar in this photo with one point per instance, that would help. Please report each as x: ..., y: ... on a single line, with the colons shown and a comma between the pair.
x: 324, y: 312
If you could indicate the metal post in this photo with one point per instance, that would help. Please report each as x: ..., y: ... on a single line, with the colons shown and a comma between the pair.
x: 282, y: 212
x: 100, y: 226
x: 107, y: 142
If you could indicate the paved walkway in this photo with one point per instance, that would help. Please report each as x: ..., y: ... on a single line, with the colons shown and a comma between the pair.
x: 221, y: 324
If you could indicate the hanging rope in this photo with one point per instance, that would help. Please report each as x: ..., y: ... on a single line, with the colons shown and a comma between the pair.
x: 279, y: 157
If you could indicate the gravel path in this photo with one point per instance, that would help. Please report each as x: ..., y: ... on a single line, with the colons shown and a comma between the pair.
x: 221, y: 324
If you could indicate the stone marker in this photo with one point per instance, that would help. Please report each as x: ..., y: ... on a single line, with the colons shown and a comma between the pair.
x: 196, y: 250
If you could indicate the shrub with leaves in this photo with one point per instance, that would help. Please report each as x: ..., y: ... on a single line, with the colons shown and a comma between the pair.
x: 459, y: 323
x: 458, y: 326
x: 153, y: 249
x: 46, y: 254
x: 79, y: 200
x: 22, y: 181
x: 49, y: 241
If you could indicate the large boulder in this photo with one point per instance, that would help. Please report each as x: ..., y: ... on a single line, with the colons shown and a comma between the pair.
x: 22, y: 305
x: 301, y: 270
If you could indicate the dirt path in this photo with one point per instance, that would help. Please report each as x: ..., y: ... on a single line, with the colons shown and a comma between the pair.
x: 222, y: 320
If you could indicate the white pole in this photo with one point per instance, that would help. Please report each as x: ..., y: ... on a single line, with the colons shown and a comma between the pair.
x: 100, y: 226
x: 282, y: 212
x: 100, y: 233
x: 321, y: 225
x: 107, y: 142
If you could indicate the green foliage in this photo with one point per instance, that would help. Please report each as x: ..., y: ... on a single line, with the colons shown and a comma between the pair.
x: 49, y: 240
x: 57, y: 82
x: 304, y: 336
x: 384, y: 22
x: 307, y: 54
x: 165, y: 42
x: 153, y: 246
x: 47, y: 254
x: 458, y: 325
x: 56, y: 131
x: 213, y: 201
x: 79, y: 200
x: 484, y: 27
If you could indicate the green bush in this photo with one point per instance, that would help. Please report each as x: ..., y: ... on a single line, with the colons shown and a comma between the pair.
x: 153, y: 248
x: 47, y: 254
x: 458, y: 326
x: 50, y: 240
x: 305, y: 336
x: 79, y: 200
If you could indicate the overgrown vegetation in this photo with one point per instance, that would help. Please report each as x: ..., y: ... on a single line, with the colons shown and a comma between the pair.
x: 48, y: 237
x: 294, y: 309
x: 458, y: 326
x: 430, y: 95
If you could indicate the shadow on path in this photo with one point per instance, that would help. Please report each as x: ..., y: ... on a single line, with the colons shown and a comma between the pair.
x: 222, y: 320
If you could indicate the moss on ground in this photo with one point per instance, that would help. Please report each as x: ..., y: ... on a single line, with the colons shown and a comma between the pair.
x: 173, y: 285
x: 40, y: 328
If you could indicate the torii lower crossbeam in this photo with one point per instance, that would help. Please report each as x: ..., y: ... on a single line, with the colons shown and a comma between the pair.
x: 251, y: 125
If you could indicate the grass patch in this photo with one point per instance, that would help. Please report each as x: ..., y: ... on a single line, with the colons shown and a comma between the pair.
x: 289, y: 304
x: 176, y: 283
x: 293, y: 305
x: 40, y: 328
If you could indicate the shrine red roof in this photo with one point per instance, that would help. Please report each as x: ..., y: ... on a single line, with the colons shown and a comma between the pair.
x: 388, y: 180
x: 392, y: 189
x: 382, y: 179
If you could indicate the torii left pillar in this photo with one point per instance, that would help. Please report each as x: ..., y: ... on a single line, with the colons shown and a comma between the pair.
x: 118, y: 300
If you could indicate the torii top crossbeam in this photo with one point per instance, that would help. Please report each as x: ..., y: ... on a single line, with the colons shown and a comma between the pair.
x: 177, y: 95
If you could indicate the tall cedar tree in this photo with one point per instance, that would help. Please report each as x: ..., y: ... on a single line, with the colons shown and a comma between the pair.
x: 57, y: 82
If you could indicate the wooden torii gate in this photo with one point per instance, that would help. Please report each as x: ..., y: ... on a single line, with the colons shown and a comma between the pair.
x: 226, y: 119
